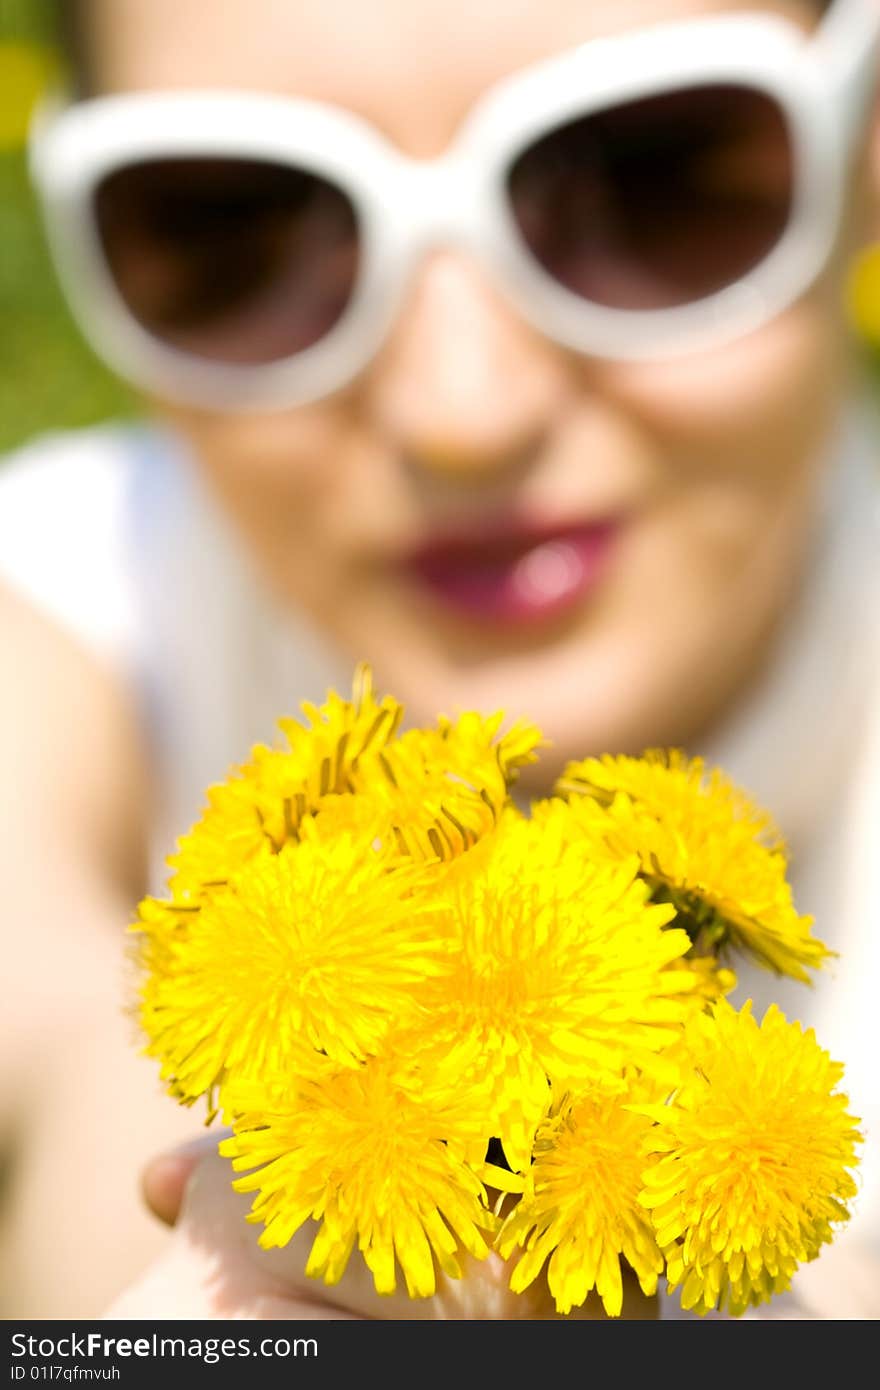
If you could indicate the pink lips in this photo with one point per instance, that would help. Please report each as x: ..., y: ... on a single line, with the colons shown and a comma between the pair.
x: 514, y: 575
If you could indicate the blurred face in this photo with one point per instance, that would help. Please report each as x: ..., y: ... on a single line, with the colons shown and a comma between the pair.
x: 492, y: 520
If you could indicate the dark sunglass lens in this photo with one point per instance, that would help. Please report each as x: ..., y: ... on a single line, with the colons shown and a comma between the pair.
x: 235, y: 260
x: 659, y: 202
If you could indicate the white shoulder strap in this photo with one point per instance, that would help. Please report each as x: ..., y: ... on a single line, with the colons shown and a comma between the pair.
x: 63, y: 504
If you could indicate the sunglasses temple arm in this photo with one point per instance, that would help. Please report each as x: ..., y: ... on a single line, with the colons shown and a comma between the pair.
x: 848, y: 42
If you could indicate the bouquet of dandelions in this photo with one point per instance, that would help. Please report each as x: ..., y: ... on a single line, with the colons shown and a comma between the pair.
x: 437, y: 1024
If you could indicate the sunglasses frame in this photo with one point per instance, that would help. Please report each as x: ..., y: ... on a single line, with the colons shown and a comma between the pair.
x: 822, y: 83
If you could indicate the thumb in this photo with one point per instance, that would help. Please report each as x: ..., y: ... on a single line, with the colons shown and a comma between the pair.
x: 165, y: 1176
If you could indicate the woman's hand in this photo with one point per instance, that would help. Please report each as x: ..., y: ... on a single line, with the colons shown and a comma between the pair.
x: 214, y: 1268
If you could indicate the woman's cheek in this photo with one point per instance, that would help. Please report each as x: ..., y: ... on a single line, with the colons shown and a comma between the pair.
x: 763, y: 400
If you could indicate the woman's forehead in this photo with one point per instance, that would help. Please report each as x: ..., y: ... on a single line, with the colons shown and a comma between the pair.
x: 412, y: 67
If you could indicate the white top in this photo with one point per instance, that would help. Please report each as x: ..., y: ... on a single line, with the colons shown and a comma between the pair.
x: 110, y: 531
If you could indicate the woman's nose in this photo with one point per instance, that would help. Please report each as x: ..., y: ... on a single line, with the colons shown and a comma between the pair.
x: 463, y: 386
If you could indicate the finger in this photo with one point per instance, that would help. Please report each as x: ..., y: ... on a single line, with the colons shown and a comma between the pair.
x: 165, y: 1176
x: 215, y: 1239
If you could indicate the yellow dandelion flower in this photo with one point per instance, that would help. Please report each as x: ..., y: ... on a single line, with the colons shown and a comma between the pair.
x: 588, y: 825
x: 378, y: 1159
x: 558, y: 972
x: 702, y: 846
x: 263, y: 802
x: 318, y: 948
x: 161, y: 925
x: 753, y: 1159
x: 580, y: 1210
x: 440, y: 790
x: 713, y: 980
x: 472, y: 734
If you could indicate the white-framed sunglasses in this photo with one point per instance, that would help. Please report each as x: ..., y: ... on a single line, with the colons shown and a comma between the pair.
x: 644, y: 195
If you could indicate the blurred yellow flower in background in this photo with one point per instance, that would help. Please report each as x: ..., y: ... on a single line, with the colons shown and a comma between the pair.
x: 26, y: 69
x: 863, y: 294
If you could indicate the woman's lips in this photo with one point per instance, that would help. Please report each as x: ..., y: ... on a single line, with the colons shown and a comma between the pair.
x: 514, y: 576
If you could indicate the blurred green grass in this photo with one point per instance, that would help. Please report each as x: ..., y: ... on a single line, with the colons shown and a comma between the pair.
x: 49, y: 378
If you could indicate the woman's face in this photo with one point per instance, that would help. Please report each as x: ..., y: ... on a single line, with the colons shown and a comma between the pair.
x: 490, y: 519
